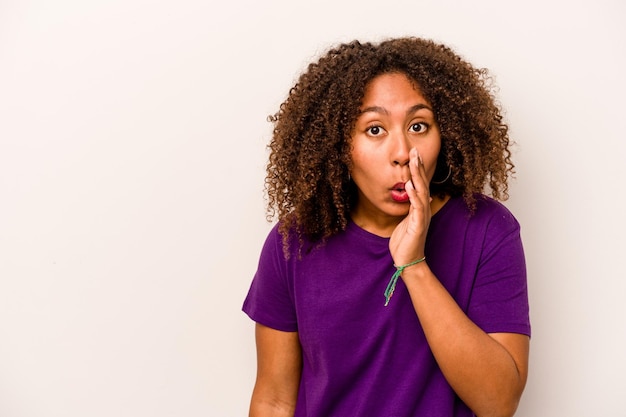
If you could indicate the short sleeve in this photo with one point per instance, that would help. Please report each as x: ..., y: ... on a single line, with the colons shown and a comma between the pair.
x: 270, y: 298
x: 499, y: 300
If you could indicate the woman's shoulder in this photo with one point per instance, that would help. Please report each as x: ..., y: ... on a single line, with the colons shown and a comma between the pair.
x: 496, y: 215
x: 490, y: 205
x: 482, y: 204
x: 486, y: 210
x: 285, y: 240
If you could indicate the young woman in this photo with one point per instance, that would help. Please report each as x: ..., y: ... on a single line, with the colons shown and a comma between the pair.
x: 392, y: 285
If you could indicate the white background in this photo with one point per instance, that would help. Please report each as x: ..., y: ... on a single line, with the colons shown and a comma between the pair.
x: 132, y: 153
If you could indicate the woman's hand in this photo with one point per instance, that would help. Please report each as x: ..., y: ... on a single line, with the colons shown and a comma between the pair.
x: 409, y: 237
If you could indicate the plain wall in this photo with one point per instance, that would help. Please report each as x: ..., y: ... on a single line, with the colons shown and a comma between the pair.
x: 132, y: 150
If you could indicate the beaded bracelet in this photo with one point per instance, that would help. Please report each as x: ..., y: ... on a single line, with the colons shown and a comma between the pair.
x: 394, y: 279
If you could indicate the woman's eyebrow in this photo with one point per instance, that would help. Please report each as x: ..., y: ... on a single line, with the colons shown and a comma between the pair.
x: 419, y: 107
x: 382, y: 110
x: 374, y: 109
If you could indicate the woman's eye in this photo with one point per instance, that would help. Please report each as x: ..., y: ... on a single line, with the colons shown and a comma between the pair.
x: 419, y: 127
x: 374, y: 130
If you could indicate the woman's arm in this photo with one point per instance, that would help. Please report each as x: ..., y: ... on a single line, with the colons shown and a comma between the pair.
x: 487, y: 371
x: 279, y: 366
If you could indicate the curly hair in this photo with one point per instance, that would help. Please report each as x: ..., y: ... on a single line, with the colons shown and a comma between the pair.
x: 308, y: 182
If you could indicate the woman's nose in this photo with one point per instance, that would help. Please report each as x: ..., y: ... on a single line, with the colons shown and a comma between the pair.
x: 400, y: 150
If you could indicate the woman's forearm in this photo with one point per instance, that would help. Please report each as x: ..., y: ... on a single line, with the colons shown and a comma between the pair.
x: 279, y: 366
x: 488, y: 372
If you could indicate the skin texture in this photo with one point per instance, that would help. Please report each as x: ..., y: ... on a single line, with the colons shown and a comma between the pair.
x: 396, y: 137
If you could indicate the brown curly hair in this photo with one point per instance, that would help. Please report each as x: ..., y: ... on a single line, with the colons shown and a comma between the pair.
x: 308, y: 183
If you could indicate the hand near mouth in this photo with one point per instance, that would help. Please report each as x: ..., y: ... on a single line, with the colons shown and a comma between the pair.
x: 409, y: 237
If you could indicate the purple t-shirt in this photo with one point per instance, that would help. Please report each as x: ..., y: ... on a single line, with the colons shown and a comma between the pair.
x: 361, y: 358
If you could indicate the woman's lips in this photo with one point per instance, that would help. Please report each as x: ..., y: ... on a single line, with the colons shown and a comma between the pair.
x: 399, y: 194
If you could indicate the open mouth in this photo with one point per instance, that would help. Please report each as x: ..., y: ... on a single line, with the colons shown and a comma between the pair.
x: 399, y: 194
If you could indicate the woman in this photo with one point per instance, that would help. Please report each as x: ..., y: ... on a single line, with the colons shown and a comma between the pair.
x: 379, y: 159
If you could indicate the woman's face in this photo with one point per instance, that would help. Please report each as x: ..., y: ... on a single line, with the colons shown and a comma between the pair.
x: 394, y: 118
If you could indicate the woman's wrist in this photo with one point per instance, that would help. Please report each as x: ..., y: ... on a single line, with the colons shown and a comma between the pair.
x: 417, y: 269
x: 394, y: 279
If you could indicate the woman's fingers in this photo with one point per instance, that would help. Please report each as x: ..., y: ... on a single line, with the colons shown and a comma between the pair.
x: 414, y: 165
x: 413, y: 199
x: 407, y: 242
x: 418, y: 175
